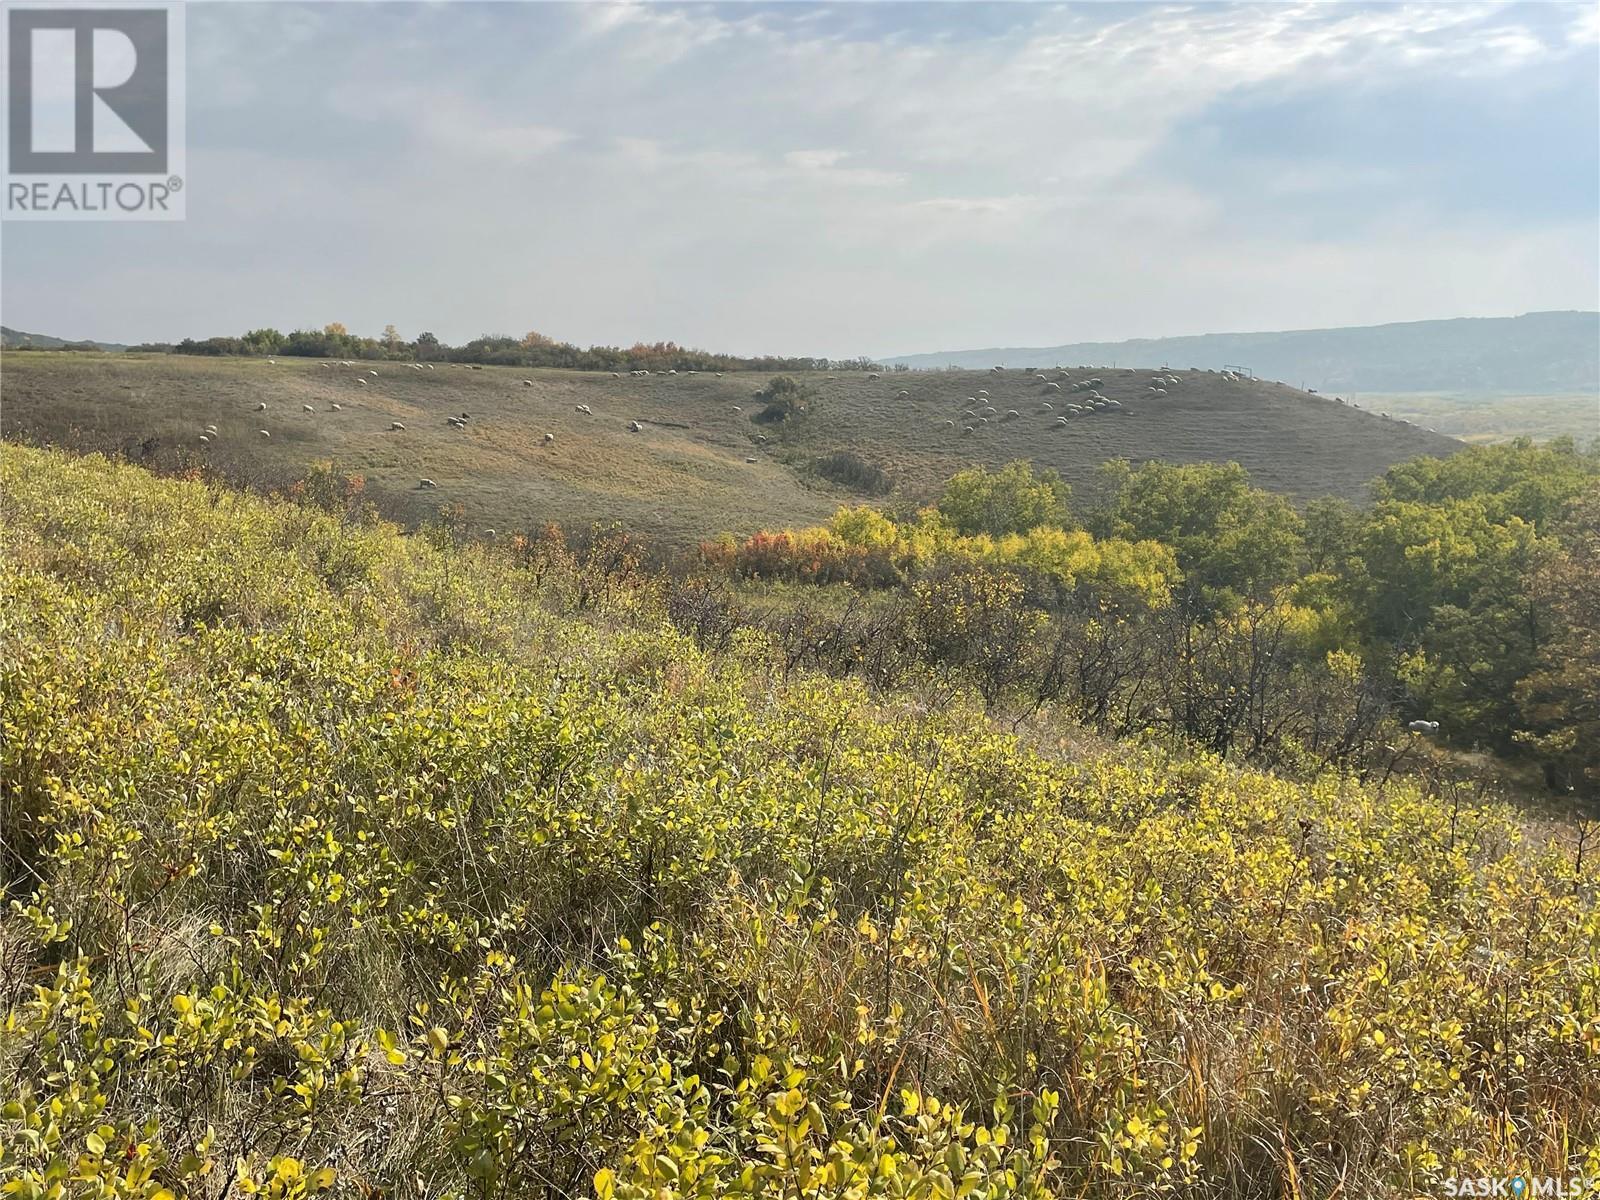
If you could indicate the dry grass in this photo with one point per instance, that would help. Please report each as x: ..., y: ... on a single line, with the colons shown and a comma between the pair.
x: 689, y: 474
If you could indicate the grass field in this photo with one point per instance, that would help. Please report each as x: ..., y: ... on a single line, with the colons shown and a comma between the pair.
x: 1494, y: 416
x: 697, y: 467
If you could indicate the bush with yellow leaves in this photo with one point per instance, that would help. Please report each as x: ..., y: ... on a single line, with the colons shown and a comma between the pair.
x: 452, y: 873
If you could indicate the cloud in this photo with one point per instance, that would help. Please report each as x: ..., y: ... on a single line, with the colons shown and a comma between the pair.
x: 839, y: 179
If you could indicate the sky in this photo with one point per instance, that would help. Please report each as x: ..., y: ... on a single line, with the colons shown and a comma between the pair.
x: 864, y: 179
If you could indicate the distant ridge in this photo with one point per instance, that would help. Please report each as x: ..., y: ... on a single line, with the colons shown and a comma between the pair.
x: 1534, y: 353
x: 16, y: 339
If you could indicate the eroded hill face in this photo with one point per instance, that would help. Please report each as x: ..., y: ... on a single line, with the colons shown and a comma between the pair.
x: 561, y: 446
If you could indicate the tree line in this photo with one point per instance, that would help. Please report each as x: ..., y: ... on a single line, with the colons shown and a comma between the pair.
x: 533, y: 349
x: 1192, y: 602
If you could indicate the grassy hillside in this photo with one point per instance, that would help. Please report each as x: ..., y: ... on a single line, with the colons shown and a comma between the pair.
x: 697, y: 467
x: 353, y: 863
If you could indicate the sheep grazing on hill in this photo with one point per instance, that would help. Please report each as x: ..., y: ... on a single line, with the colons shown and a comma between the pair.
x: 949, y: 424
x: 1047, y: 407
x: 211, y: 429
x: 264, y: 433
x: 455, y: 421
x: 307, y: 408
x: 737, y: 409
x: 1011, y: 414
x: 430, y: 366
x: 527, y: 383
x: 426, y: 483
x: 616, y: 374
x: 1052, y: 387
x: 983, y: 394
x: 489, y: 533
x: 987, y: 410
x: 966, y: 429
x: 902, y: 394
x: 969, y: 413
x: 635, y: 427
x: 373, y: 373
x: 873, y: 377
x: 583, y: 408
x: 395, y: 425
x: 719, y: 374
x: 204, y: 438
x: 548, y: 438
x: 1061, y: 420
x: 272, y: 362
x: 336, y: 408
x: 362, y: 382
x: 262, y: 406
x: 1423, y: 727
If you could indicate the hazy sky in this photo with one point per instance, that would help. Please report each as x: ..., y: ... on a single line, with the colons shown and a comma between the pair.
x: 865, y: 179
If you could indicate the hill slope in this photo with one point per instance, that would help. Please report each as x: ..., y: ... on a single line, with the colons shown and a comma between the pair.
x: 347, y: 862
x: 16, y: 339
x: 697, y: 467
x: 1533, y: 353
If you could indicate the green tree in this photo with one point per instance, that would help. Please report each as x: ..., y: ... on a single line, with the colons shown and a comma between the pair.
x: 1332, y: 534
x: 1449, y: 588
x: 1229, y: 535
x: 1517, y: 479
x: 263, y: 341
x: 1013, y: 499
x: 1560, y: 698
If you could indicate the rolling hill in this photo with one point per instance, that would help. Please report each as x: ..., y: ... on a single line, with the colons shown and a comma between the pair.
x: 16, y: 339
x: 1542, y: 352
x: 698, y: 465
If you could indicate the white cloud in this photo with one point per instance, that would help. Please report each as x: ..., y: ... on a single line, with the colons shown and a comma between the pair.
x: 807, y: 178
